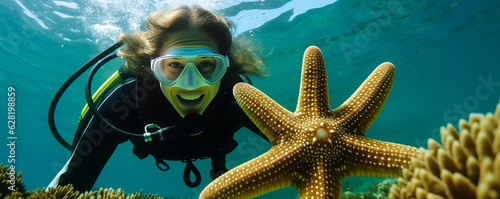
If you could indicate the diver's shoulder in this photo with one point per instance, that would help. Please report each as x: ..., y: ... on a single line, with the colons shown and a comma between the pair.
x: 126, y: 87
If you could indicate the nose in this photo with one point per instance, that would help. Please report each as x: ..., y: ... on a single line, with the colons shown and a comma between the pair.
x: 190, y: 80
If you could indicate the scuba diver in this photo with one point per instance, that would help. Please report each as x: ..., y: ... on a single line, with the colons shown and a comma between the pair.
x: 172, y: 99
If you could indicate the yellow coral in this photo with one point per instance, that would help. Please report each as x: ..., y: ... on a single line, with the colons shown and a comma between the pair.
x: 5, y: 178
x: 108, y: 193
x: 466, y: 165
x: 68, y: 192
x: 59, y: 192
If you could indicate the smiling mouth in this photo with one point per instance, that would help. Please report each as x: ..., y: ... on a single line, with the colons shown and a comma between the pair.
x: 190, y: 100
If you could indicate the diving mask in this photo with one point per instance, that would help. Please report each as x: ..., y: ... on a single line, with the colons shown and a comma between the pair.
x: 189, y: 68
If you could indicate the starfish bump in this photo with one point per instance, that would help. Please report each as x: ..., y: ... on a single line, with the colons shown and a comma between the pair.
x: 315, y: 147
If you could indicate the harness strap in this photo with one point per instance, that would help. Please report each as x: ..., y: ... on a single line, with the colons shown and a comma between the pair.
x: 187, y: 175
x: 161, y: 164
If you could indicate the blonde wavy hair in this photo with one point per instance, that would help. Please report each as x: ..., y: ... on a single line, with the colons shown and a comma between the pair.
x: 143, y: 46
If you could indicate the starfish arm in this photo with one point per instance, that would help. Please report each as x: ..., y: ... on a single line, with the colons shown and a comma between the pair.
x: 264, y: 112
x: 270, y: 171
x: 321, y: 181
x: 315, y: 147
x: 369, y: 157
x: 313, y: 94
x: 362, y: 108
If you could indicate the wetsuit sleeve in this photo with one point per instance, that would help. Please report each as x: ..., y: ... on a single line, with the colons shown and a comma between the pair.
x: 91, y: 154
x: 95, y: 146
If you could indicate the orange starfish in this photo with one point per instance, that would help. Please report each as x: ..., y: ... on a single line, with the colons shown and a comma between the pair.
x: 315, y: 147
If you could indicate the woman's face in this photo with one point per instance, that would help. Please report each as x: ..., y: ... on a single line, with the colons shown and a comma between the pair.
x: 190, y: 100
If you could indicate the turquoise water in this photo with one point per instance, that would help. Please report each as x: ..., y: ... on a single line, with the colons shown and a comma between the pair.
x: 446, y: 56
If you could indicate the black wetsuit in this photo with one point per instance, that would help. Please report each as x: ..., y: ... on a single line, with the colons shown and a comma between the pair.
x: 135, y: 103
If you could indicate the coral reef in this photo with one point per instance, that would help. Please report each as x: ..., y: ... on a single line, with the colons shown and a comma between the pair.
x: 466, y: 165
x: 59, y: 192
x: 111, y: 193
x: 8, y: 178
x: 378, y: 190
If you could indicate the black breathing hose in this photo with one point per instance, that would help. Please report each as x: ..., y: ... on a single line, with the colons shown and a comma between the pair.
x: 88, y: 95
x: 101, y: 59
x: 65, y: 86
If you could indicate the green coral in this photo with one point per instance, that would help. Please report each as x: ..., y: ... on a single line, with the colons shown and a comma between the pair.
x: 60, y: 192
x: 5, y: 178
x: 378, y: 190
x: 111, y: 193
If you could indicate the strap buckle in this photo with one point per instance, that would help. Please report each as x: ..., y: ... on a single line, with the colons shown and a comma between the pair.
x: 152, y: 129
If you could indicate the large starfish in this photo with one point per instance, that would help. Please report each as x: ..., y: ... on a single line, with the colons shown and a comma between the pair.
x: 315, y: 147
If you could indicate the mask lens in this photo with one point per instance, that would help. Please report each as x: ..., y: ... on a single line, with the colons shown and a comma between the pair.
x: 173, y: 67
x: 206, y: 66
x: 170, y: 67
